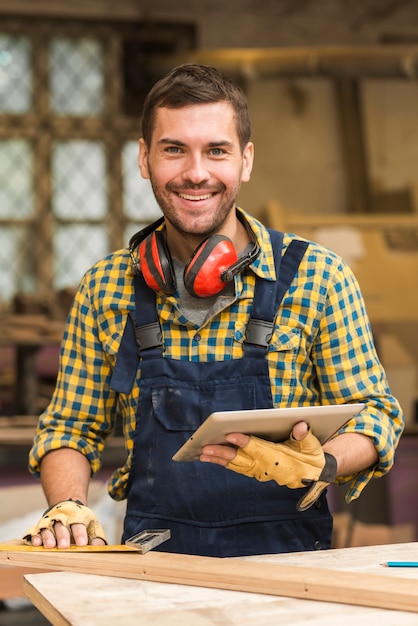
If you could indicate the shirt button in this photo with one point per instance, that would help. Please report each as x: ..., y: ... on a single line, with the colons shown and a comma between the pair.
x: 197, y: 337
x: 317, y: 545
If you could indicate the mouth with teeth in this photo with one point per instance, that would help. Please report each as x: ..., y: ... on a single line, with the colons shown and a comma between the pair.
x: 192, y: 193
x: 186, y: 196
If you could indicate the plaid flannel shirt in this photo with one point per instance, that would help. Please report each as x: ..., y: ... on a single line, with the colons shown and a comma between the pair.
x: 321, y: 352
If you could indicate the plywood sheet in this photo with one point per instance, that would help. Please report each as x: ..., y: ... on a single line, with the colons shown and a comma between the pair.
x: 106, y: 601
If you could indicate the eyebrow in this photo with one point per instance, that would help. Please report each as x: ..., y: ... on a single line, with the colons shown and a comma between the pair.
x: 211, y: 144
x: 167, y: 140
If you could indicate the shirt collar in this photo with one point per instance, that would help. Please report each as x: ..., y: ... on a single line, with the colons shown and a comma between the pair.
x: 263, y: 265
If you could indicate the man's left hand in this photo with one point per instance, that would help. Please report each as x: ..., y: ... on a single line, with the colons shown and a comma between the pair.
x: 295, y: 463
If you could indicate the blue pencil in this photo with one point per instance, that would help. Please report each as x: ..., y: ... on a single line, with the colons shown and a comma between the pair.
x: 402, y: 564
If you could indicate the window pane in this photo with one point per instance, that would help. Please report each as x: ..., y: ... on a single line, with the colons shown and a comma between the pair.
x: 79, y: 180
x: 16, y: 179
x: 139, y: 202
x: 15, y: 74
x: 76, y: 248
x: 16, y: 276
x: 76, y: 79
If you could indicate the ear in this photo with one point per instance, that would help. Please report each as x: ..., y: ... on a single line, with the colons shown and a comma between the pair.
x: 247, y: 162
x: 143, y: 159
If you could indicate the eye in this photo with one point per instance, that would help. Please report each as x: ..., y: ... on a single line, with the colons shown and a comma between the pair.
x: 217, y: 151
x: 172, y: 150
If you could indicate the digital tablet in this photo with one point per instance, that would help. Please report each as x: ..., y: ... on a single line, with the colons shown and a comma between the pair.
x: 271, y: 424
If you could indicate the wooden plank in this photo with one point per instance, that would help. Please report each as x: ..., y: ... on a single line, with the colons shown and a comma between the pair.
x: 20, y: 436
x: 315, y: 583
x: 27, y: 421
x: 22, y: 432
x: 11, y: 581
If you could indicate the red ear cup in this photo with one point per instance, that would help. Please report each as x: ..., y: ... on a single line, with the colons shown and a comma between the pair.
x: 155, y: 263
x: 203, y: 274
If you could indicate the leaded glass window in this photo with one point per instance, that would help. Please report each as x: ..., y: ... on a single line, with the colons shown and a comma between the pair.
x: 70, y: 188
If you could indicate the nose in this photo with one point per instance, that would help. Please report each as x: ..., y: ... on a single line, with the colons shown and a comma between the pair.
x: 195, y: 170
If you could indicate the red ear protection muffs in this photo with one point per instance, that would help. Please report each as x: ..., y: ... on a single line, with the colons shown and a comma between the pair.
x: 156, y: 264
x: 204, y: 275
x: 214, y: 262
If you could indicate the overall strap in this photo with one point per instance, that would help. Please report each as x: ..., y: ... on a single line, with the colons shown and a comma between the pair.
x: 147, y: 325
x: 145, y: 337
x: 269, y: 294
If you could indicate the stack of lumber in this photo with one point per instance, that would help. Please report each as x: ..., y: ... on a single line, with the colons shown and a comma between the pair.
x: 31, y: 329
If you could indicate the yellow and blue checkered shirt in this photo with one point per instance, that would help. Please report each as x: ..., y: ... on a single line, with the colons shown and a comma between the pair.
x: 321, y: 352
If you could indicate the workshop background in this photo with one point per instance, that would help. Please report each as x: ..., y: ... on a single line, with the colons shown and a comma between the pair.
x: 333, y: 94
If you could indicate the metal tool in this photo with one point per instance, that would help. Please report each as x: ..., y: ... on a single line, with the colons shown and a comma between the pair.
x: 148, y: 539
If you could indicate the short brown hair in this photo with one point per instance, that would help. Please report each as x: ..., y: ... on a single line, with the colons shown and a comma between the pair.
x: 196, y: 84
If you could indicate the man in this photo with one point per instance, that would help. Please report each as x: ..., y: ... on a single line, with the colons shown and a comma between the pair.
x: 208, y: 310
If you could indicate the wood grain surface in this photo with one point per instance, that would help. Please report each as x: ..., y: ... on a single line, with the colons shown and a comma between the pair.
x: 315, y: 581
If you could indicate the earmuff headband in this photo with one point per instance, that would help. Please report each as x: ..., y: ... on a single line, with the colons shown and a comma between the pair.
x: 136, y: 239
x: 242, y: 263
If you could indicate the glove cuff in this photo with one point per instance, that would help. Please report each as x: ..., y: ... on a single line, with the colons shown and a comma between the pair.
x: 328, y: 476
x: 329, y: 473
x: 61, y: 502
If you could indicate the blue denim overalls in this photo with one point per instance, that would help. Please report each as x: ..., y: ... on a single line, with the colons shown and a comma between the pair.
x: 211, y: 511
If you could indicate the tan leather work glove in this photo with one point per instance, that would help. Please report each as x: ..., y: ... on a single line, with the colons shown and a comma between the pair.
x: 68, y: 512
x: 293, y: 463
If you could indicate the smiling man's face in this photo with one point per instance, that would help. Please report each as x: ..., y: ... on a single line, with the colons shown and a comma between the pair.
x: 196, y: 167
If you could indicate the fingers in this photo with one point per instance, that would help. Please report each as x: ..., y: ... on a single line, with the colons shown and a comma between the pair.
x: 238, y: 439
x: 61, y: 537
x: 223, y: 454
x: 300, y: 430
x: 36, y: 540
x: 80, y: 534
x: 97, y: 542
x: 217, y: 454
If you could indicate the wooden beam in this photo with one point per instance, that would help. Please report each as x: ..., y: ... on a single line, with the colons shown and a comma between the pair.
x: 352, y: 61
x: 353, y: 145
x: 88, y: 9
x: 314, y: 583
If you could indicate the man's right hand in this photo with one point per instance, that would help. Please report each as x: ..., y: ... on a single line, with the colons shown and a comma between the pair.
x: 65, y: 523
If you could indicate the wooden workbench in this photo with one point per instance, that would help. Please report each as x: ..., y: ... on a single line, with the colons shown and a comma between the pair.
x: 77, y: 598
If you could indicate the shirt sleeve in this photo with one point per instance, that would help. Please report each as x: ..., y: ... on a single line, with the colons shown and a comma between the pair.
x: 349, y: 370
x: 82, y: 410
